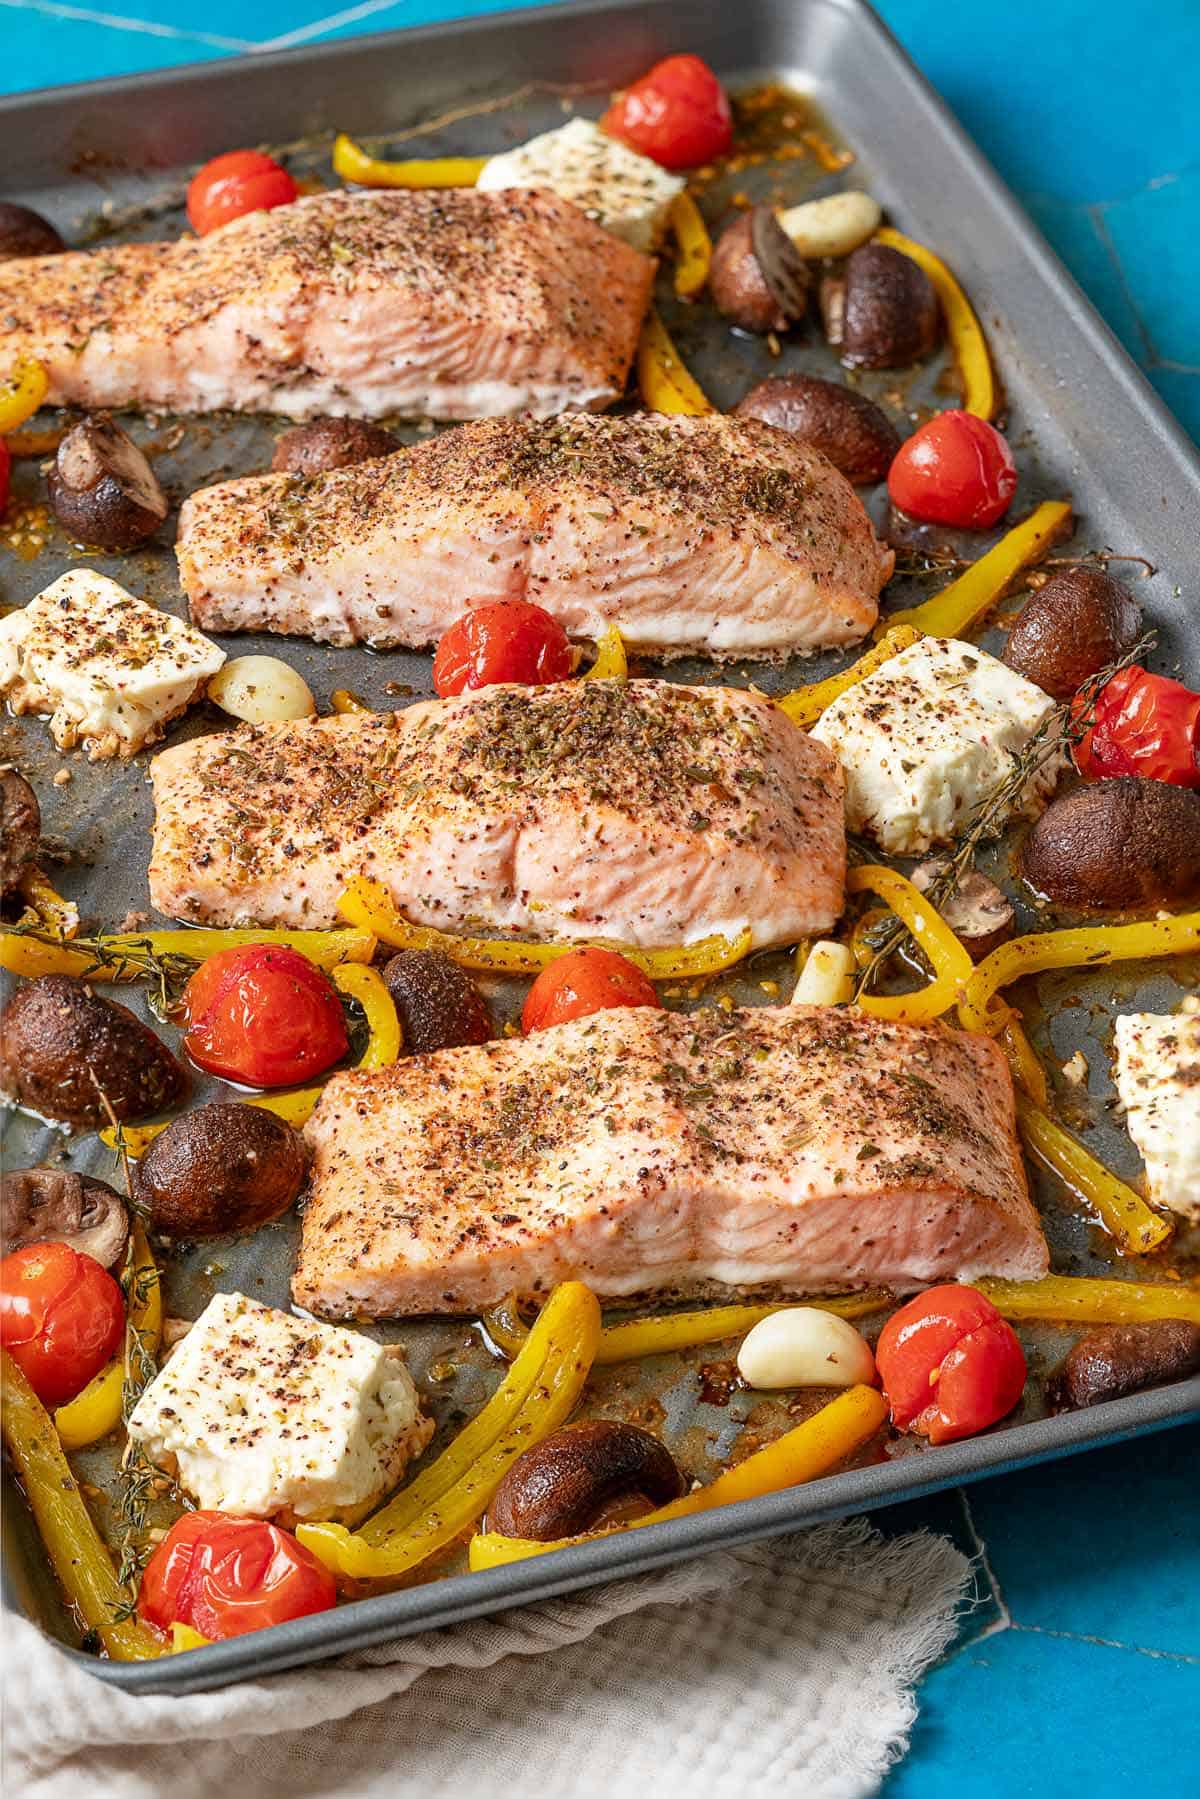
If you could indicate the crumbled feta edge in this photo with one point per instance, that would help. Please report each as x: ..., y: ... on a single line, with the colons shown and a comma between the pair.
x: 1157, y: 1077
x: 627, y: 193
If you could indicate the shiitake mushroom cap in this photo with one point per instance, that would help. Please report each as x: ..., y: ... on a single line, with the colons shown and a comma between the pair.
x: 438, y: 1004
x: 1079, y: 622
x: 102, y: 489
x: 219, y: 1169
x: 1118, y: 845
x: 856, y: 435
x: 20, y: 828
x: 69, y: 1055
x: 887, y: 311
x: 24, y: 232
x: 1124, y: 1358
x: 39, y: 1205
x: 568, y: 1483
x: 331, y: 443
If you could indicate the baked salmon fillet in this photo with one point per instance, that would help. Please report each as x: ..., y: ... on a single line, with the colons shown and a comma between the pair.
x: 640, y: 811
x: 445, y: 303
x: 714, y: 534
x: 796, y: 1148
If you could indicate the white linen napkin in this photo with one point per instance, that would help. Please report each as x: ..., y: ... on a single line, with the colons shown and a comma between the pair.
x: 791, y: 1662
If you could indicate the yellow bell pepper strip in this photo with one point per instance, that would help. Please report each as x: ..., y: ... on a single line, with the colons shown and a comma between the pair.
x: 342, y: 700
x: 951, y: 964
x: 183, y: 1638
x: 98, y: 1410
x: 353, y: 164
x: 22, y: 394
x: 295, y: 1107
x: 537, y: 1395
x: 367, y: 903
x: 1027, y: 1071
x: 676, y: 1330
x: 694, y: 246
x: 803, y: 1454
x: 804, y: 705
x: 1068, y: 1299
x: 46, y: 907
x: 965, y: 600
x: 611, y: 662
x: 1123, y: 1213
x: 29, y: 956
x: 665, y: 383
x: 1088, y: 946
x: 73, y: 1544
x: 361, y: 983
x: 963, y: 329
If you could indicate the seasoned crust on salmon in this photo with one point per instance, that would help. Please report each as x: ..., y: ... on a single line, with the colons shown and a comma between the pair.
x: 714, y: 534
x: 801, y: 1148
x: 444, y: 303
x: 641, y: 811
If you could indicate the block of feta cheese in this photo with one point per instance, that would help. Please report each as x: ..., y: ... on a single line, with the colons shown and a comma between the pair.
x: 1158, y: 1082
x: 111, y: 671
x: 271, y: 1416
x: 624, y: 192
x: 929, y: 735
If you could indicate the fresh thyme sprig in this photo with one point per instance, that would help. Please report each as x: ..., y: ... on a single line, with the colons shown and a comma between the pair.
x: 918, y: 565
x: 133, y: 956
x: 1059, y: 733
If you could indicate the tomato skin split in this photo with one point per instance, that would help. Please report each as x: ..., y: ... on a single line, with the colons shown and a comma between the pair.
x: 678, y: 114
x: 950, y: 1365
x: 223, y: 1577
x: 1145, y: 725
x: 264, y: 1015
x: 62, y: 1318
x: 505, y: 641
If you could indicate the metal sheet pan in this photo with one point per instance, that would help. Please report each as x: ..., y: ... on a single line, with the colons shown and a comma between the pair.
x: 1083, y: 420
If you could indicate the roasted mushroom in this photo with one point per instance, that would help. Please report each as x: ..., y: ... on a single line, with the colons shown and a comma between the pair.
x: 438, y: 1003
x: 857, y: 437
x: 102, y: 489
x: 582, y: 1478
x: 882, y: 313
x: 220, y: 1169
x: 1078, y: 623
x: 1124, y: 1358
x: 20, y: 828
x: 24, y: 232
x: 1116, y: 846
x: 65, y: 1052
x: 758, y: 278
x: 330, y: 443
x: 42, y: 1204
x: 978, y: 913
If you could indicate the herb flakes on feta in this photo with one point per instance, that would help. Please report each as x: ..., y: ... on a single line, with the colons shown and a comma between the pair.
x: 624, y: 192
x: 929, y: 735
x: 111, y: 671
x: 1158, y: 1081
x: 268, y: 1415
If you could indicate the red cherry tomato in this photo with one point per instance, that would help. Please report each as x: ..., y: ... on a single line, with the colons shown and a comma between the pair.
x: 263, y: 1015
x: 5, y: 469
x: 62, y: 1318
x: 225, y: 1576
x: 949, y: 1364
x: 239, y: 182
x: 678, y: 114
x: 583, y: 981
x: 1144, y: 725
x: 508, y: 640
x: 956, y: 470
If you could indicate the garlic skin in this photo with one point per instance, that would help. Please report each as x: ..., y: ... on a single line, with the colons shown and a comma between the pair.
x: 259, y: 689
x: 805, y: 1347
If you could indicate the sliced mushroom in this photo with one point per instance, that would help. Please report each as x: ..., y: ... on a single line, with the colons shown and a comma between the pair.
x: 102, y: 489
x: 38, y: 1205
x: 857, y: 437
x: 758, y: 278
x: 20, y: 828
x: 978, y: 913
x: 882, y: 313
x: 331, y: 443
x: 581, y: 1478
x: 24, y: 232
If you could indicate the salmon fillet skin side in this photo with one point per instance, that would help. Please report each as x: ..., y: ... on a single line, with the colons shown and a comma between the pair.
x: 802, y: 1149
x: 713, y: 534
x: 642, y: 812
x: 438, y: 303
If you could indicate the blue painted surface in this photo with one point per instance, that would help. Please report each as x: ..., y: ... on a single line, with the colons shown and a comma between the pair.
x: 1078, y: 1667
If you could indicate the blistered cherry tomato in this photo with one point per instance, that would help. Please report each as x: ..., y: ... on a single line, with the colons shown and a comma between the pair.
x: 5, y: 470
x: 678, y: 114
x: 62, y: 1317
x: 583, y: 981
x: 949, y: 1363
x: 956, y: 470
x: 1144, y: 725
x: 239, y: 182
x: 263, y: 1015
x: 226, y: 1576
x: 508, y: 640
